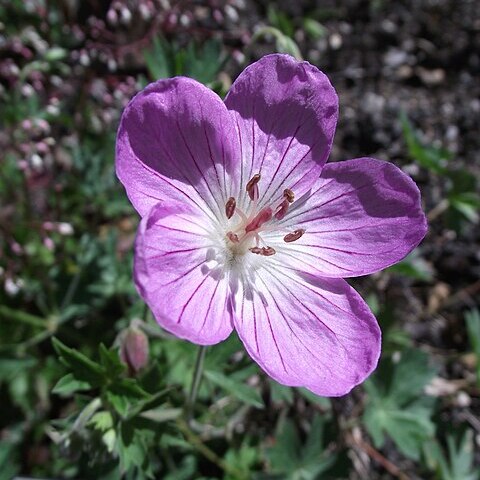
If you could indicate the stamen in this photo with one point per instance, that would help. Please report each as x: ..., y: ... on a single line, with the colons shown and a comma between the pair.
x: 289, y: 195
x: 252, y: 187
x: 291, y: 237
x: 282, y: 209
x: 233, y: 237
x: 263, y: 216
x: 264, y: 251
x: 230, y: 207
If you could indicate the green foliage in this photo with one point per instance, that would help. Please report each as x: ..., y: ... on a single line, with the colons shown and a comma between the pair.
x: 243, y: 459
x: 293, y: 459
x: 122, y: 416
x: 314, y: 29
x: 462, y: 186
x: 429, y: 157
x: 283, y: 43
x: 241, y: 391
x: 280, y: 20
x: 202, y: 62
x: 280, y: 393
x: 472, y: 320
x: 458, y: 464
x: 414, y: 267
x: 395, y: 405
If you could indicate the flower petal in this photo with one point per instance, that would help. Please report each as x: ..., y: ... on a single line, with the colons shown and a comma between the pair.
x: 175, y: 273
x: 307, y: 331
x: 177, y: 140
x: 363, y: 215
x: 286, y: 112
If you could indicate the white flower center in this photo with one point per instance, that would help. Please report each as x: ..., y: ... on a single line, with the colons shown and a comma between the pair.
x: 245, y: 237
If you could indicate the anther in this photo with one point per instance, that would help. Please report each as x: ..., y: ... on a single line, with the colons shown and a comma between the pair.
x: 264, y: 251
x: 230, y: 207
x: 289, y: 195
x: 233, y: 237
x: 252, y: 187
x: 291, y: 237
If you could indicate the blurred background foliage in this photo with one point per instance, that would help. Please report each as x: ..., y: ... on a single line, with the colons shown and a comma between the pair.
x: 90, y: 387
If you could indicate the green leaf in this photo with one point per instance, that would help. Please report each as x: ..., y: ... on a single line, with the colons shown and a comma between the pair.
x: 280, y: 393
x: 314, y: 29
x: 429, y: 157
x: 102, y: 421
x: 11, y: 367
x: 409, y: 377
x: 283, y: 43
x: 414, y: 267
x: 472, y: 320
x: 129, y: 388
x: 223, y: 352
x: 82, y: 367
x: 123, y: 394
x: 396, y: 406
x: 461, y: 455
x: 242, y: 460
x: 132, y: 452
x: 239, y: 390
x: 158, y: 59
x: 135, y: 440
x: 467, y: 203
x: 9, y: 463
x: 459, y: 463
x: 315, y: 399
x: 296, y: 461
x: 204, y: 62
x: 119, y: 403
x: 284, y: 455
x: 111, y: 361
x: 280, y: 21
x: 69, y: 384
x: 462, y: 181
x: 149, y: 403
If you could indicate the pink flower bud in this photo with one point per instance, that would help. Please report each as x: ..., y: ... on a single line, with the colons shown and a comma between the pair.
x: 134, y: 349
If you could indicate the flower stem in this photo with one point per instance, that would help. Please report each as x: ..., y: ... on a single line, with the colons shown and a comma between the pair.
x: 196, y: 379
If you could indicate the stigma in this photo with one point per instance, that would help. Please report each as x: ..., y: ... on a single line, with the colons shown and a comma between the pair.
x: 245, y: 237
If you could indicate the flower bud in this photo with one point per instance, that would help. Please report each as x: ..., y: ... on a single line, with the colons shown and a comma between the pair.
x: 134, y: 349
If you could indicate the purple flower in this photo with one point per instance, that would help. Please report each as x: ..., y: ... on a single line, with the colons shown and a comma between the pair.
x: 244, y: 226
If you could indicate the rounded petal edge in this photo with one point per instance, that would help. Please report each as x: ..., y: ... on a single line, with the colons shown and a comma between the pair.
x: 310, y: 332
x: 286, y: 113
x: 176, y: 140
x: 363, y: 215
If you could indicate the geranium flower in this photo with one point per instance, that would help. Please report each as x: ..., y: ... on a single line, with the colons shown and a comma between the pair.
x: 244, y: 226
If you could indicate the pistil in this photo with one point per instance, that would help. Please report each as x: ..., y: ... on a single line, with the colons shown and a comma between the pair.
x: 263, y: 216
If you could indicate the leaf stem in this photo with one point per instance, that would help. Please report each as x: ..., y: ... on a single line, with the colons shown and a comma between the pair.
x: 196, y: 379
x: 17, y: 315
